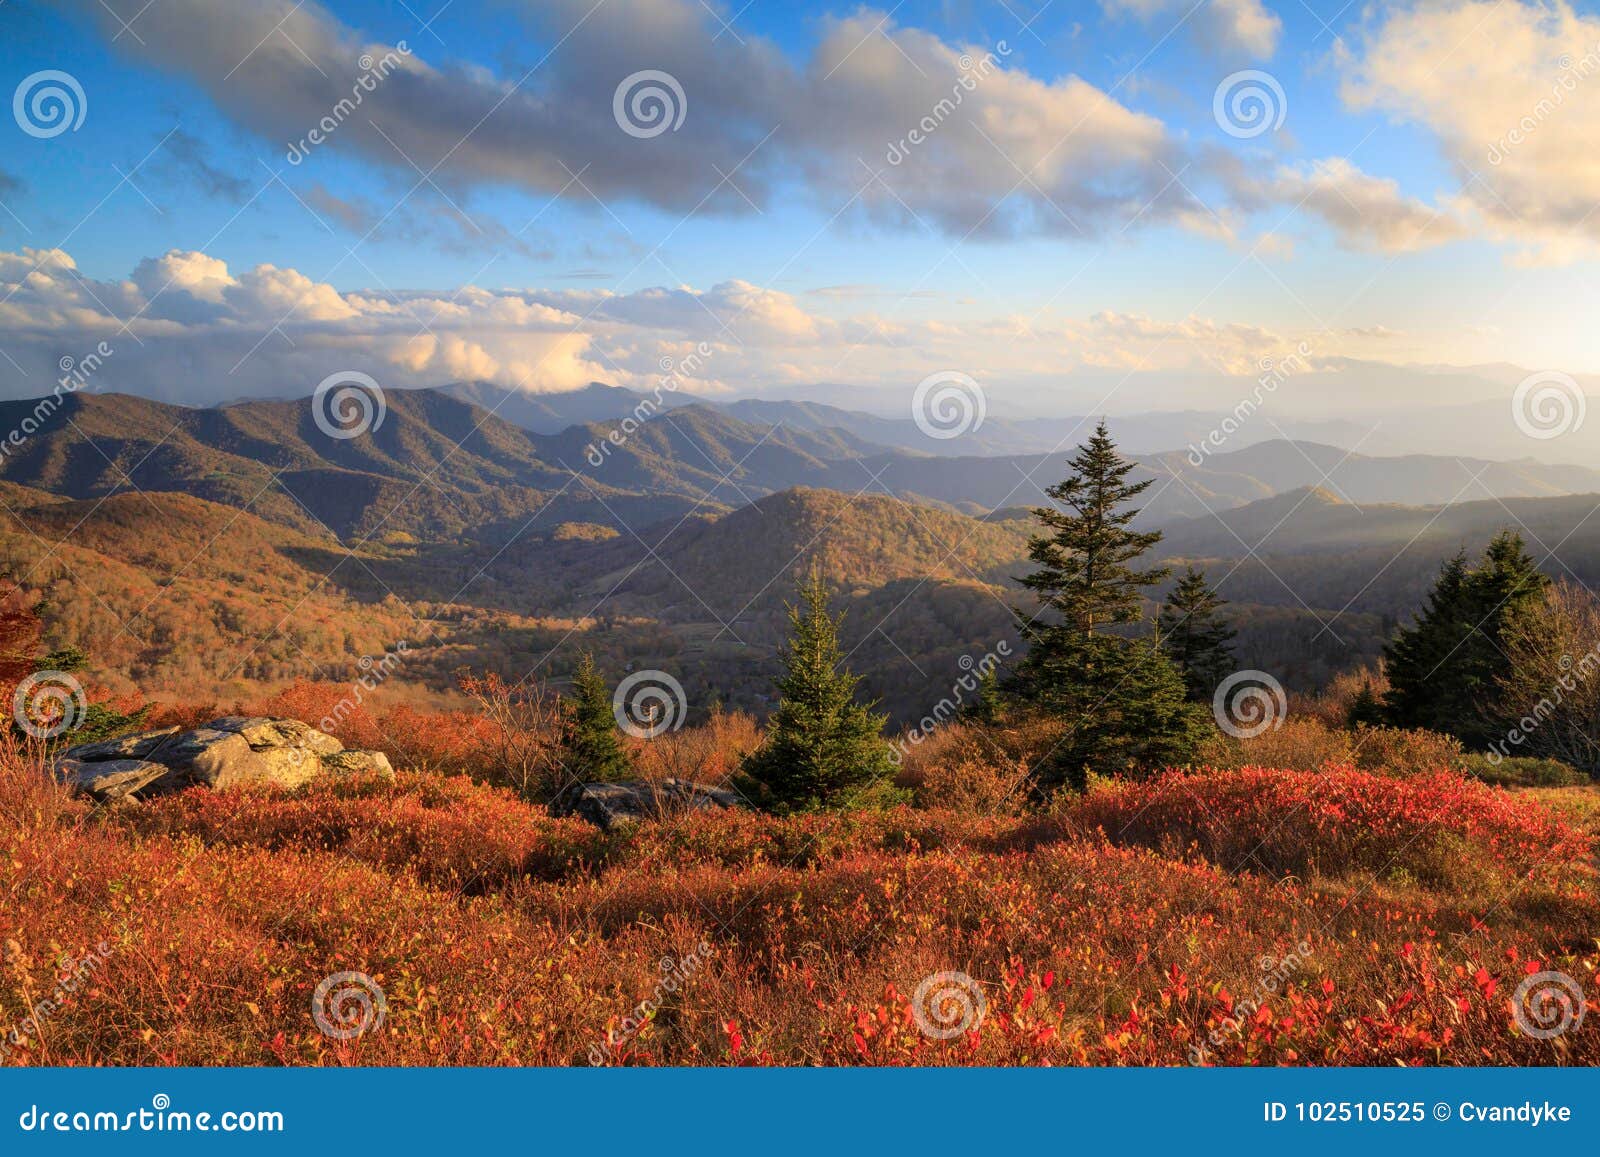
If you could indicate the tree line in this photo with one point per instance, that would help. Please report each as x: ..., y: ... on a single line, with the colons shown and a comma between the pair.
x: 1129, y: 694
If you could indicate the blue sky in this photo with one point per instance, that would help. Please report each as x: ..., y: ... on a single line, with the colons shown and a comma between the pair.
x: 1153, y: 243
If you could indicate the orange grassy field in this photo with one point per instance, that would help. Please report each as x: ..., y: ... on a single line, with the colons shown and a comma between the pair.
x: 1251, y: 917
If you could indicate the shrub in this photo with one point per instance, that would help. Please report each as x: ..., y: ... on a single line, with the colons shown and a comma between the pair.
x: 1442, y: 830
x: 1308, y: 744
x: 1301, y: 744
x: 446, y: 831
x: 1406, y: 751
x: 1520, y: 771
x: 1334, y: 705
x: 709, y: 754
x: 979, y: 785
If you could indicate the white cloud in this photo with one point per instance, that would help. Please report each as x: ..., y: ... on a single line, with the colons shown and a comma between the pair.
x: 1512, y: 91
x: 185, y: 328
x: 1366, y: 212
x: 1226, y: 28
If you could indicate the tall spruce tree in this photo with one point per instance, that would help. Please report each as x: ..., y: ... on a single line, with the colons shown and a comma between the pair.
x: 590, y: 750
x: 1083, y: 572
x: 1121, y: 698
x: 822, y: 748
x: 1443, y: 668
x: 1195, y: 635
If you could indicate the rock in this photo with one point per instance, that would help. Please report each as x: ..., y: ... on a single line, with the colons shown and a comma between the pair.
x: 260, y: 732
x: 358, y: 763
x: 218, y: 759
x: 109, y: 779
x: 606, y: 804
x: 226, y: 753
x: 128, y: 747
x: 290, y: 766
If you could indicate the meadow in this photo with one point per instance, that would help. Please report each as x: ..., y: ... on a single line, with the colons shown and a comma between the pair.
x: 1243, y: 915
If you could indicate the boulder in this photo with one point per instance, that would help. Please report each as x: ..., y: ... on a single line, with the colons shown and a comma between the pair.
x: 608, y: 804
x: 109, y: 779
x: 138, y: 746
x: 260, y: 732
x: 217, y: 759
x: 226, y: 753
x: 358, y: 763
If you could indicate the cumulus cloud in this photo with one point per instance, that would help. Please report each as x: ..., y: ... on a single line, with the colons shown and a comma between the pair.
x: 1226, y: 28
x: 1366, y: 212
x: 996, y: 150
x: 186, y: 328
x: 1512, y: 92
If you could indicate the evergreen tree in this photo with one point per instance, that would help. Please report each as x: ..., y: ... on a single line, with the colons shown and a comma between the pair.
x: 1443, y: 668
x: 1366, y: 709
x: 590, y: 751
x: 1083, y: 572
x: 1196, y: 636
x: 987, y: 704
x: 822, y: 748
x: 1122, y: 699
x: 1125, y: 708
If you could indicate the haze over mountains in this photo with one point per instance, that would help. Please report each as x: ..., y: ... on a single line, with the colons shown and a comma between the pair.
x: 438, y: 467
x: 1384, y: 411
x: 674, y: 541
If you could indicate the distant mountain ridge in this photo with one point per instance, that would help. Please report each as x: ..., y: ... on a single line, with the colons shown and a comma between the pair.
x: 994, y: 436
x: 440, y: 468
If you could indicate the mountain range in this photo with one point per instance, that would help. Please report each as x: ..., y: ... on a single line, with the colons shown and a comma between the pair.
x: 220, y: 548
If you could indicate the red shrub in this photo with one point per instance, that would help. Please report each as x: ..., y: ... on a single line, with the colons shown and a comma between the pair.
x: 1442, y: 829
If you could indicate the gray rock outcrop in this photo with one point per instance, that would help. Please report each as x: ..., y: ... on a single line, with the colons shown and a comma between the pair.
x: 230, y: 752
x: 606, y: 804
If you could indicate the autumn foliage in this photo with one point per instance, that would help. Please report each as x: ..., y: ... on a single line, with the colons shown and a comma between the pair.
x: 1135, y: 925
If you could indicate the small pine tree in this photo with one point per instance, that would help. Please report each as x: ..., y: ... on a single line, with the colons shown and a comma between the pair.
x: 1366, y: 709
x: 1122, y: 698
x: 1125, y: 707
x: 590, y: 751
x: 1444, y: 667
x: 1196, y: 636
x: 822, y: 748
x: 987, y: 705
